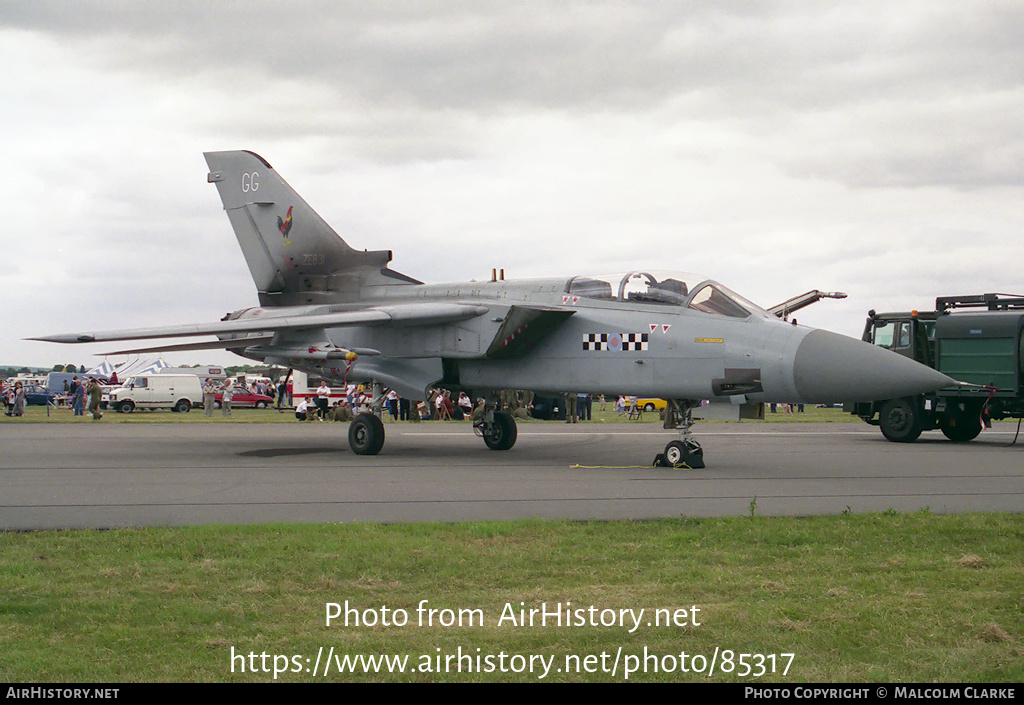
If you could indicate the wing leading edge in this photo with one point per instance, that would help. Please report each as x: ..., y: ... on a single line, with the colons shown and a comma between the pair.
x: 398, y: 315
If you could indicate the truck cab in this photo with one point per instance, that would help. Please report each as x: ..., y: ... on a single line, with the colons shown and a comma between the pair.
x: 911, y: 334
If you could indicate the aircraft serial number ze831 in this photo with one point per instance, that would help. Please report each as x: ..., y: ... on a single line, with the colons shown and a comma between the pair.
x: 331, y: 310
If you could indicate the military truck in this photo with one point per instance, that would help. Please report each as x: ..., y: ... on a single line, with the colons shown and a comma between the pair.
x: 974, y: 339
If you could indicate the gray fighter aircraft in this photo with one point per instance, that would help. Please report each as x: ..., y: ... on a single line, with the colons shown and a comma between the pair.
x: 342, y: 313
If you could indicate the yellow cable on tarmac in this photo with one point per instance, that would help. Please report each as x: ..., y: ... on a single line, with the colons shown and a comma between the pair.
x: 624, y: 467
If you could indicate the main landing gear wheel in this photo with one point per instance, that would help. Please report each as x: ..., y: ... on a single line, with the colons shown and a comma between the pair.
x: 366, y: 434
x: 682, y: 454
x: 501, y: 433
x: 900, y: 421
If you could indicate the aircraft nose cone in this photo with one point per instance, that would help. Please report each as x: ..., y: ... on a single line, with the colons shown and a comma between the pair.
x: 830, y: 368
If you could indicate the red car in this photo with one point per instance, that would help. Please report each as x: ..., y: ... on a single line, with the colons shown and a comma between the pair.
x: 242, y: 396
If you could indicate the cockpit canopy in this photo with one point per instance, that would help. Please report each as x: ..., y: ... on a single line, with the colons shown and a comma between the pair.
x: 665, y: 288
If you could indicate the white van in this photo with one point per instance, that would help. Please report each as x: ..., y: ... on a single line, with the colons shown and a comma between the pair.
x: 175, y: 392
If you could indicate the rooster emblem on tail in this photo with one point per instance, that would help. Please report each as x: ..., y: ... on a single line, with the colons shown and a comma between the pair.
x: 285, y: 226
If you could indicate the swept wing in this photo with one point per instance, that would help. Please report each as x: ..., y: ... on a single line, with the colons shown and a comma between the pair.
x: 397, y: 315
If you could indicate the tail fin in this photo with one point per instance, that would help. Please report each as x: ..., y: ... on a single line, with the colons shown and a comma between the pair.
x: 293, y: 254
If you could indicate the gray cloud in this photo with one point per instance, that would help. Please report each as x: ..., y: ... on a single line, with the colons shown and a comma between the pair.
x: 855, y: 77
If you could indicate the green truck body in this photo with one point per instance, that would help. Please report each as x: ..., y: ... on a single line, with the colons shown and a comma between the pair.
x: 983, y: 348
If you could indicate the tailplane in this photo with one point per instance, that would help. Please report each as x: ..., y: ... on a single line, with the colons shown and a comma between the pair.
x: 294, y: 256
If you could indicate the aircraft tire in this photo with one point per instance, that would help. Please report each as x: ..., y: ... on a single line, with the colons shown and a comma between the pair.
x: 679, y: 453
x: 366, y: 434
x: 900, y: 421
x: 502, y: 433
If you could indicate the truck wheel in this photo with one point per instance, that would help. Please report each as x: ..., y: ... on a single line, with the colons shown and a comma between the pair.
x: 366, y: 434
x: 183, y: 405
x: 962, y: 426
x: 900, y: 421
x: 126, y: 407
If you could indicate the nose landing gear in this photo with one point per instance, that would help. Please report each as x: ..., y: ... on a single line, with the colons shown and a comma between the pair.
x: 686, y: 452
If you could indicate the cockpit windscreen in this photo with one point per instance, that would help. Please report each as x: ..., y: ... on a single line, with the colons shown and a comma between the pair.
x: 664, y: 288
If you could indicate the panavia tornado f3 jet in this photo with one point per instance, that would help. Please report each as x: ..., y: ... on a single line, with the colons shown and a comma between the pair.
x: 343, y: 314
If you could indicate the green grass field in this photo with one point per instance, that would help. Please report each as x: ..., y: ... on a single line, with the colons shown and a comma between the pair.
x: 891, y: 597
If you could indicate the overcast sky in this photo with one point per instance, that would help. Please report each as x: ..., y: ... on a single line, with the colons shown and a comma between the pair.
x: 875, y: 148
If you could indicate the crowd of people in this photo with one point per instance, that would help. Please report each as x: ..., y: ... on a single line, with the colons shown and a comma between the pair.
x: 14, y: 398
x: 326, y: 404
x: 440, y: 404
x: 358, y: 399
x: 444, y: 405
x: 76, y: 392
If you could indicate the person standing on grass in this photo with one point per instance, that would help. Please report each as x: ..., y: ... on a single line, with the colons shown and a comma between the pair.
x: 209, y: 396
x: 229, y: 389
x: 78, y: 399
x: 95, y: 396
x: 323, y: 400
x: 18, y: 407
x: 392, y: 402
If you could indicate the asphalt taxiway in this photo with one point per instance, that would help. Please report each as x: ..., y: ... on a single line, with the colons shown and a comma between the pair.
x: 114, y: 475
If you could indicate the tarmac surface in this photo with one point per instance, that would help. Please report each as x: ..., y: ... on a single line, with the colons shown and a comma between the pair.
x: 156, y: 474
